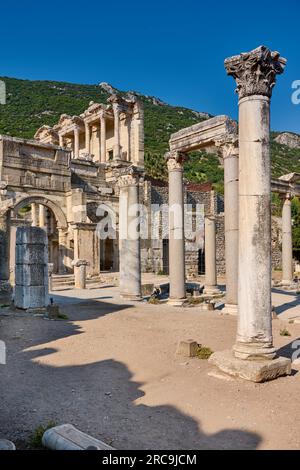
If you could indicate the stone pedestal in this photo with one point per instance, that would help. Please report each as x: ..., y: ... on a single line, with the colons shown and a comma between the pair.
x: 211, y: 287
x: 31, y: 289
x: 287, y: 243
x: 176, y: 229
x: 129, y: 234
x: 80, y: 273
x: 255, y: 73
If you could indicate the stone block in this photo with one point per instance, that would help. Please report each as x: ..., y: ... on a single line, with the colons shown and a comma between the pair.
x: 67, y: 437
x: 187, y: 348
x: 30, y: 275
x: 31, y: 254
x: 30, y: 235
x: 35, y: 297
x: 255, y: 371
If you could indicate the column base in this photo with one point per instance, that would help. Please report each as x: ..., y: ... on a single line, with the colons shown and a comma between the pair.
x: 212, y: 290
x: 255, y: 371
x: 254, y: 351
x: 230, y: 309
x: 176, y: 302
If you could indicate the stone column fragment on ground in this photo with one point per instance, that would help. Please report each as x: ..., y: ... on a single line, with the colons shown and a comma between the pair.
x: 230, y: 155
x: 211, y: 287
x: 129, y: 234
x: 287, y: 243
x: 80, y: 273
x: 176, y: 229
x: 254, y: 355
x: 31, y: 289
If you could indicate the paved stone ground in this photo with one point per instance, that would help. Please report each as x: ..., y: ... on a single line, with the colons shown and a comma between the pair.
x: 111, y: 370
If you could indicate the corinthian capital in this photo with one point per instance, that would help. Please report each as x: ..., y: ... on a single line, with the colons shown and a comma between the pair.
x: 130, y: 176
x: 255, y: 71
x: 228, y: 146
x: 175, y: 160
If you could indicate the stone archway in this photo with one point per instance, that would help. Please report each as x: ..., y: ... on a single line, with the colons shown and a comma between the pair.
x: 44, y: 201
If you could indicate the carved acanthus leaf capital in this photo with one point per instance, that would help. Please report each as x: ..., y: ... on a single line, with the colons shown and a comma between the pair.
x: 228, y: 146
x: 255, y: 71
x: 131, y: 176
x: 175, y: 160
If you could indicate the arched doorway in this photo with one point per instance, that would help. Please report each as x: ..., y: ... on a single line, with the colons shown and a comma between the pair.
x: 40, y: 212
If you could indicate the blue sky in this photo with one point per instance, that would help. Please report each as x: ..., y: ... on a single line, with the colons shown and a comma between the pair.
x: 171, y: 49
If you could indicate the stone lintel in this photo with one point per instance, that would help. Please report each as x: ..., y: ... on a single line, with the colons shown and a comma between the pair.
x: 203, y: 135
x: 254, y: 371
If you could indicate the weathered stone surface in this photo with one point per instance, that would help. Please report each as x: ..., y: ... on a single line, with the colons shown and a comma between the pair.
x: 31, y: 279
x: 7, y: 445
x: 187, y: 348
x: 67, y: 437
x: 255, y: 371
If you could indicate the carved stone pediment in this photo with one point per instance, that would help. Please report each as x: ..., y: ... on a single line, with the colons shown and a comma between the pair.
x: 46, y: 134
x: 255, y: 71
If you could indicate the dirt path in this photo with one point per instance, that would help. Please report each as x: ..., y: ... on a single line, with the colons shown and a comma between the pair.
x: 111, y: 370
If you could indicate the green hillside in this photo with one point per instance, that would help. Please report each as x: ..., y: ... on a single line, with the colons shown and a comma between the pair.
x: 33, y: 103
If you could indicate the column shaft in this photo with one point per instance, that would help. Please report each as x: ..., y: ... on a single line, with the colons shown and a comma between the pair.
x: 87, y: 138
x: 231, y: 199
x: 76, y: 143
x: 117, y: 146
x: 103, y: 139
x: 176, y: 231
x: 34, y: 217
x: 129, y: 242
x: 287, y: 243
x: 254, y: 336
x: 210, y: 257
x: 42, y: 216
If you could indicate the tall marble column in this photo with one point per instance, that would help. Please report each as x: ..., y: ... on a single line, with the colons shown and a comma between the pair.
x: 102, y: 138
x: 61, y: 140
x: 230, y: 154
x: 287, y: 243
x: 117, y: 146
x: 87, y: 137
x: 129, y: 235
x: 76, y: 142
x: 254, y: 353
x: 176, y: 229
x: 211, y: 287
